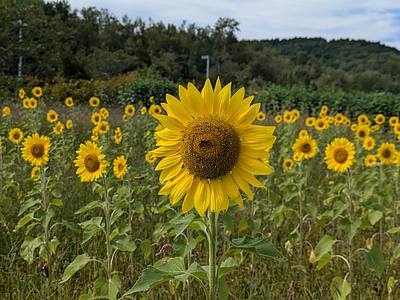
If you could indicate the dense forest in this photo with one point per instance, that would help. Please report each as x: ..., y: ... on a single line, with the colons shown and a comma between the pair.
x: 59, y: 43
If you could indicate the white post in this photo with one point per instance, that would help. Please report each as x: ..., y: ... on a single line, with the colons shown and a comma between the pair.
x: 207, y: 57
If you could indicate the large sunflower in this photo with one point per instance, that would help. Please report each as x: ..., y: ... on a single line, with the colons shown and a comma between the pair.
x: 387, y: 153
x: 16, y: 135
x: 340, y: 154
x: 36, y: 149
x: 91, y: 162
x: 209, y: 147
x: 305, y: 146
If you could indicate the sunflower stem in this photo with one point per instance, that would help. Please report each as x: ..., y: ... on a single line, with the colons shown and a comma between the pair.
x: 212, y: 256
x: 107, y: 215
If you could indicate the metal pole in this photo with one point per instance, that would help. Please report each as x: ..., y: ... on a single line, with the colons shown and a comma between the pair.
x: 20, y: 43
x: 207, y: 57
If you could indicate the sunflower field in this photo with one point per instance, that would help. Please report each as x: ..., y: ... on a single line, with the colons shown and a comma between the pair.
x: 203, y: 196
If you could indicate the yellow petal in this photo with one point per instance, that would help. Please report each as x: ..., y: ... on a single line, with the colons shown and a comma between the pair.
x: 201, y: 197
x: 170, y: 122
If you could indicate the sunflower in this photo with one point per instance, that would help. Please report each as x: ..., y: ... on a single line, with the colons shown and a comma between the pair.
x: 32, y: 103
x: 210, y: 149
x: 261, y: 116
x: 118, y: 136
x: 370, y: 160
x: 69, y: 124
x: 129, y: 110
x: 95, y: 135
x: 94, y: 101
x: 396, y: 129
x: 354, y: 127
x: 310, y: 121
x: 35, y: 173
x: 375, y: 128
x: 59, y: 128
x: 278, y: 119
x: 69, y: 102
x: 104, y: 113
x: 339, y: 118
x: 35, y: 149
x: 379, y: 119
x: 150, y: 157
x: 95, y: 118
x: 21, y: 94
x: 393, y: 121
x: 91, y: 162
x: 37, y: 91
x: 362, y: 132
x: 287, y: 116
x: 52, y: 116
x: 103, y: 127
x: 143, y: 110
x: 120, y: 167
x: 6, y: 111
x: 321, y: 124
x: 303, y: 133
x: 16, y: 135
x: 287, y: 164
x: 387, y: 153
x: 324, y: 109
x: 340, y: 154
x: 362, y: 119
x: 151, y: 99
x: 155, y: 109
x: 369, y: 143
x: 125, y: 117
x: 25, y: 103
x: 306, y: 147
x: 297, y: 156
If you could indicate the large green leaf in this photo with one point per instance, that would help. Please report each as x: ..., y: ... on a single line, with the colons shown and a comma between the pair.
x: 323, y: 247
x: 125, y: 244
x: 29, y: 246
x: 340, y: 288
x: 78, y: 263
x: 259, y: 246
x: 375, y: 260
x: 25, y: 220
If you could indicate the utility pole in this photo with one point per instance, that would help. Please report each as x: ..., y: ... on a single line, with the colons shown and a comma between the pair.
x: 19, y: 23
x: 207, y: 57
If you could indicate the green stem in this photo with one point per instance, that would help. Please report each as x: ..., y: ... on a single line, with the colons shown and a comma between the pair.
x: 349, y: 245
x: 107, y: 215
x: 212, y: 256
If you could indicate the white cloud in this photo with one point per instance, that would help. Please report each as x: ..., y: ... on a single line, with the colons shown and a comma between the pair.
x: 263, y: 19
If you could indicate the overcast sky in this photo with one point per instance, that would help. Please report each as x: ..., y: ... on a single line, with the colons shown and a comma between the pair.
x: 374, y: 20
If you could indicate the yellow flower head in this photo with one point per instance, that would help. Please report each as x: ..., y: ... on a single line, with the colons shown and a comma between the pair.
x: 306, y: 147
x: 95, y: 118
x: 25, y: 103
x: 104, y: 113
x: 103, y: 127
x: 129, y: 110
x: 339, y: 118
x: 362, y: 132
x: 287, y: 117
x: 155, y: 109
x: 35, y: 149
x: 32, y: 103
x: 303, y: 133
x: 393, y: 121
x: 16, y: 135
x: 125, y: 117
x: 21, y: 94
x: 370, y: 160
x: 321, y: 124
x: 210, y: 149
x: 90, y: 162
x: 324, y: 109
x: 287, y: 164
x: 354, y: 127
x: 6, y: 111
x: 35, y: 172
x: 37, y: 92
x: 94, y: 101
x: 310, y: 121
x: 375, y: 128
x: 261, y: 116
x: 118, y: 136
x: 362, y: 119
x: 120, y: 167
x: 52, y: 116
x: 143, y: 110
x: 278, y: 119
x: 379, y: 119
x: 69, y: 102
x: 387, y: 153
x: 340, y: 155
x: 59, y: 128
x: 150, y: 157
x: 69, y: 124
x: 396, y: 129
x: 369, y: 143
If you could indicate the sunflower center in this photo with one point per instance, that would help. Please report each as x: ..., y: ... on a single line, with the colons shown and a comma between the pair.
x: 16, y: 136
x: 361, y: 134
x: 305, y: 148
x: 37, y: 150
x: 340, y: 155
x: 92, y: 163
x: 210, y: 147
x: 386, y: 153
